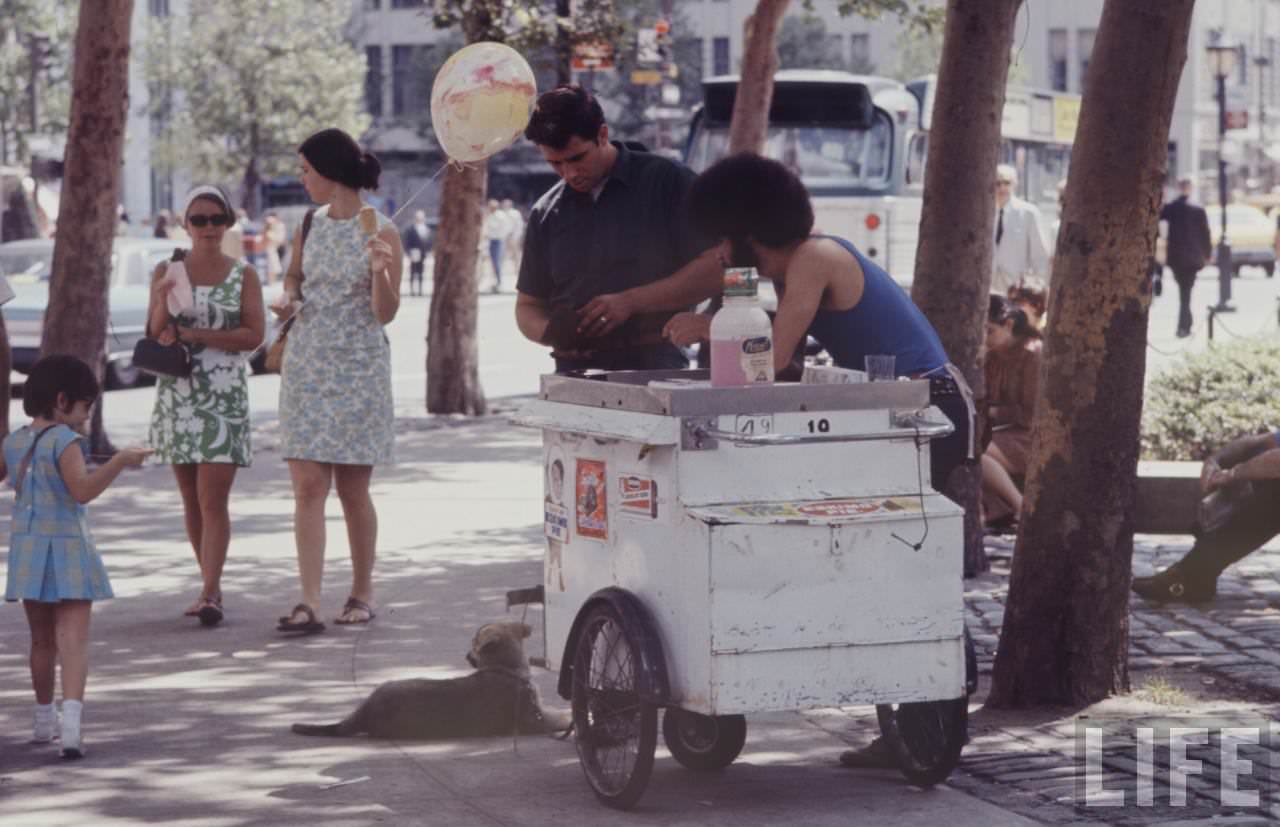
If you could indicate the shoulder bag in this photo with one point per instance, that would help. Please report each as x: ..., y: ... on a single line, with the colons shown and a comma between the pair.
x: 164, y: 360
x: 275, y: 354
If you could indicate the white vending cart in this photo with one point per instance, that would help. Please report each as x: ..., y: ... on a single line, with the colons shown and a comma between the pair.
x: 718, y: 551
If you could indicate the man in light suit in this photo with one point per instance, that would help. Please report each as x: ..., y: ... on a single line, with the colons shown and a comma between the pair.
x: 1019, y: 241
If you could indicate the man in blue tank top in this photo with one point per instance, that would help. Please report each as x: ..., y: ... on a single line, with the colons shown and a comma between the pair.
x: 760, y: 212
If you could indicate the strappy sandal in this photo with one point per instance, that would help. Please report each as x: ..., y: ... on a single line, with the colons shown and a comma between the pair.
x: 354, y: 604
x: 210, y: 611
x: 307, y: 626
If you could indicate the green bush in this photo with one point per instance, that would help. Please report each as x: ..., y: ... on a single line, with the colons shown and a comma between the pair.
x: 1210, y: 398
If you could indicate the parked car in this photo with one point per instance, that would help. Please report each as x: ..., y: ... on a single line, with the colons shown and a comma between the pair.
x: 1250, y: 232
x: 27, y: 265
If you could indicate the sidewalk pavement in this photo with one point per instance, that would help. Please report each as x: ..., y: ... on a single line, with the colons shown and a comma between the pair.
x: 190, y: 725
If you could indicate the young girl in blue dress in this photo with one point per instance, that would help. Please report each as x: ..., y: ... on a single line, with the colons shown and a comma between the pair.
x: 53, y: 566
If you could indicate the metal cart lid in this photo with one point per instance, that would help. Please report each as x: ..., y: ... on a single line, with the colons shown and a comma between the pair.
x: 828, y: 512
x: 686, y: 393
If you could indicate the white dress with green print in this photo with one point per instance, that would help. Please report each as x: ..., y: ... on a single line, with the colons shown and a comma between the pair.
x: 205, y: 417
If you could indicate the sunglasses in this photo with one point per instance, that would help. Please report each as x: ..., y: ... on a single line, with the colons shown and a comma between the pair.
x: 218, y: 220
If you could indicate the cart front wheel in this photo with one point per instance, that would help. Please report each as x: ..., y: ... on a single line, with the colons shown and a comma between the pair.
x: 703, y: 742
x: 925, y: 737
x: 616, y: 730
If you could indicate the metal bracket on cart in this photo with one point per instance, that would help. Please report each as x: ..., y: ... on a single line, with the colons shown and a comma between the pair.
x: 701, y: 433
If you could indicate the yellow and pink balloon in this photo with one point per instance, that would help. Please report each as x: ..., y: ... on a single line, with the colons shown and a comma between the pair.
x: 481, y: 101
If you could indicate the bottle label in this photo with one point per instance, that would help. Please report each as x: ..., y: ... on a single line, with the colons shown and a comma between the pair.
x: 742, y: 361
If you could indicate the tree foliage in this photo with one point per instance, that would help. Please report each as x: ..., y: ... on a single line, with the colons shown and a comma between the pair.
x: 628, y: 105
x: 1210, y: 398
x: 803, y: 43
x: 41, y: 31
x: 241, y: 83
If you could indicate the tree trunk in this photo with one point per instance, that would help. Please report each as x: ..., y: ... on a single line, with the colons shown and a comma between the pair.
x: 453, y: 376
x: 749, y: 125
x: 1066, y: 629
x: 953, y: 261
x: 76, y: 319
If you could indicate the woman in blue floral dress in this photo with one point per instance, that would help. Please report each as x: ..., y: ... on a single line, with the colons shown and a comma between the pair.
x: 200, y: 424
x: 335, y: 394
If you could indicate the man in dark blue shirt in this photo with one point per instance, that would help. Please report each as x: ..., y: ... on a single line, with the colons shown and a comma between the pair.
x: 615, y: 220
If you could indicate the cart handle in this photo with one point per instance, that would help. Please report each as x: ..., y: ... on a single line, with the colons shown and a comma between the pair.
x: 910, y: 426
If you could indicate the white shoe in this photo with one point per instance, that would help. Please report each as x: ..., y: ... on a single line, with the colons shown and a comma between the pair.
x: 71, y: 746
x: 46, y: 726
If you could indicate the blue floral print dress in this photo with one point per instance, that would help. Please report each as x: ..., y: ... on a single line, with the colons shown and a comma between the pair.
x: 335, y: 390
x: 204, y: 418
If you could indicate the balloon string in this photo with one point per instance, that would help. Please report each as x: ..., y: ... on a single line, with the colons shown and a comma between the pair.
x: 458, y: 164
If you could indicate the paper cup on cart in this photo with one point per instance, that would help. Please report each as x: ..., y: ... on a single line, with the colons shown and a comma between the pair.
x: 880, y: 368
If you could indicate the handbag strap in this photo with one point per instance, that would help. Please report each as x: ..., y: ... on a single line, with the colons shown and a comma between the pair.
x: 306, y: 229
x: 26, y: 459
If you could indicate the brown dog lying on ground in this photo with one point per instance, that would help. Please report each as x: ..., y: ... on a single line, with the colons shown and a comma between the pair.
x: 497, y: 699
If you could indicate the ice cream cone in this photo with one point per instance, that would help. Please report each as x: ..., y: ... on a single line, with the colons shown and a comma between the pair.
x: 368, y: 220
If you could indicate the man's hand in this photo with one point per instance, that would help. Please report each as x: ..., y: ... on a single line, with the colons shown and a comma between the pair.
x: 683, y: 329
x: 562, y: 330
x: 604, y: 314
x: 1218, y: 479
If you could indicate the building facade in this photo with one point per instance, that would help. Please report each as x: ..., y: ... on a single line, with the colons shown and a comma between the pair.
x: 1053, y: 44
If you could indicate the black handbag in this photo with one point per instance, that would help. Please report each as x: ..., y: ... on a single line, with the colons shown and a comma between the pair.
x: 163, y: 360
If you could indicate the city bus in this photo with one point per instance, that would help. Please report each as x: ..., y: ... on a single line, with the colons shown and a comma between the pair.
x: 860, y: 142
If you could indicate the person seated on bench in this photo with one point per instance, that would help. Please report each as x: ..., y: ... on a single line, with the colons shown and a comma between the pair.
x: 1194, y: 578
x: 1013, y: 381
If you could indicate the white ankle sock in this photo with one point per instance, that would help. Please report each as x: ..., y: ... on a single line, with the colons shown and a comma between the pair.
x: 46, y: 724
x: 71, y: 747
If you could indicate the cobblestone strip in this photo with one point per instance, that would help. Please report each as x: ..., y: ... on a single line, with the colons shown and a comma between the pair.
x: 1034, y: 770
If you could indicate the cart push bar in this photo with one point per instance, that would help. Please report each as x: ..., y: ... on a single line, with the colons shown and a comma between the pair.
x: 701, y: 433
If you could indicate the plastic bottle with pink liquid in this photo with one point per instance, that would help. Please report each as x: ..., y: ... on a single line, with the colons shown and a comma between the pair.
x: 741, y: 334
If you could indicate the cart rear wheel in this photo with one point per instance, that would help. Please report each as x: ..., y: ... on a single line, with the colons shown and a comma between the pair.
x: 925, y: 737
x: 703, y: 742
x: 616, y: 730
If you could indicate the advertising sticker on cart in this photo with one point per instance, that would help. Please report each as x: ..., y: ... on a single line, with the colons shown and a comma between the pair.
x: 819, y: 511
x: 592, y: 499
x: 638, y: 496
x: 555, y: 520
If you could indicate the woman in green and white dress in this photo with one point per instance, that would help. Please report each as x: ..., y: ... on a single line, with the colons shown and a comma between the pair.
x: 200, y: 424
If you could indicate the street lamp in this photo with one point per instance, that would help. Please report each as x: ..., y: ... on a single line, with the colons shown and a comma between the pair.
x: 1222, y: 61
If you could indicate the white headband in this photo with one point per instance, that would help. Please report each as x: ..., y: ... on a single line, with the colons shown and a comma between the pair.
x: 204, y: 191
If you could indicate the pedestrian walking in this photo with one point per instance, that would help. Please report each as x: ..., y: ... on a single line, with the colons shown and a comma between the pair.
x: 54, y: 567
x: 1019, y: 240
x: 495, y: 234
x: 274, y: 237
x: 335, y: 392
x: 200, y: 423
x: 1188, y: 247
x: 515, y: 233
x: 417, y: 241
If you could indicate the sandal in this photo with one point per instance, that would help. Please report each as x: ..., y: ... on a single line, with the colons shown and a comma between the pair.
x: 354, y: 605
x: 307, y: 626
x: 210, y: 611
x: 194, y: 609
